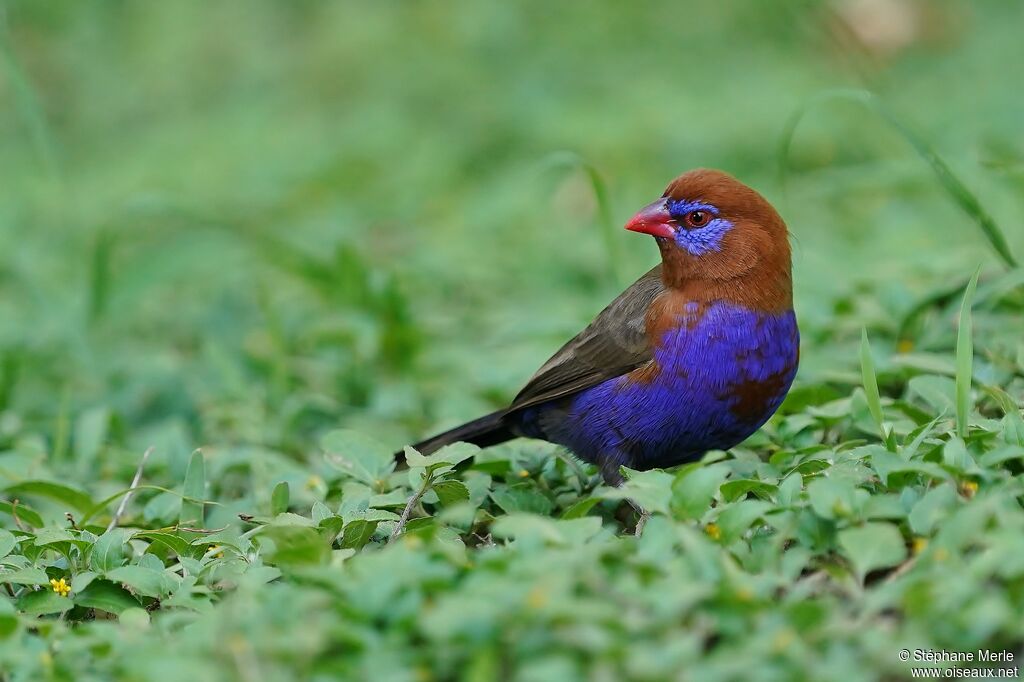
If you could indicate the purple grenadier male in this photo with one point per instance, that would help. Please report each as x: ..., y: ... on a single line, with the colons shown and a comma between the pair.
x: 696, y: 355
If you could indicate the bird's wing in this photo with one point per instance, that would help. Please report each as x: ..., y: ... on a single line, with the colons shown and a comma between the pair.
x: 612, y: 345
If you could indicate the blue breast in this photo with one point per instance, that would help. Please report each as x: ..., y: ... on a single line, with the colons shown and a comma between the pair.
x: 721, y: 373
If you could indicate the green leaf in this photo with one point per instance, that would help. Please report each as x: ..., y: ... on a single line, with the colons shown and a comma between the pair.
x: 51, y: 535
x: 449, y: 455
x: 955, y: 455
x: 533, y: 529
x: 999, y: 455
x: 694, y: 487
x: 359, y: 456
x: 82, y: 580
x: 737, y: 518
x: 43, y: 602
x: 884, y: 506
x: 134, y: 619
x: 144, y: 581
x: 320, y: 512
x: 451, y: 492
x: 290, y: 519
x: 108, y: 551
x: 831, y: 498
x: 189, y: 597
x: 871, y: 546
x: 329, y: 527
x: 521, y: 497
x: 867, y: 371
x: 106, y: 596
x: 932, y: 508
x: 279, y: 498
x: 965, y: 358
x: 296, y: 546
x: 738, y: 488
x: 580, y: 508
x: 194, y: 492
x: 73, y: 498
x: 652, y: 490
x: 25, y: 514
x: 175, y: 543
x: 229, y: 537
x: 8, y: 620
x: 887, y: 463
x: 788, y: 492
x: 357, y: 533
x: 30, y: 575
x: 7, y: 542
x: 938, y: 391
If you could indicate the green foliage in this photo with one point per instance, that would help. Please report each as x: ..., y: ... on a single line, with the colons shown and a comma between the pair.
x: 274, y: 242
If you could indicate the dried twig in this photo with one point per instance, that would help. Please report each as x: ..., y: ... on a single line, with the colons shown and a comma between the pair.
x: 642, y: 514
x: 901, y: 569
x: 203, y: 531
x: 14, y: 514
x: 405, y: 513
x: 131, y: 490
x: 428, y: 480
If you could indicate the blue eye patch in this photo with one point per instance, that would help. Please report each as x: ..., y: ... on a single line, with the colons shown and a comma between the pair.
x: 680, y: 207
x: 701, y: 240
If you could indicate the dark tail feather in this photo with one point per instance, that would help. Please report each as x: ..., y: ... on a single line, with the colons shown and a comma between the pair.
x: 485, y: 431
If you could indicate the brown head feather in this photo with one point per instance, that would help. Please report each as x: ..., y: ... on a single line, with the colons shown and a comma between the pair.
x: 752, y: 267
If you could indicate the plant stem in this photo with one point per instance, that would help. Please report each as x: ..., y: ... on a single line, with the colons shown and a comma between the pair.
x: 400, y: 526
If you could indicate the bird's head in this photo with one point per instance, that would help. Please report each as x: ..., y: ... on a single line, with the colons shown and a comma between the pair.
x: 711, y: 227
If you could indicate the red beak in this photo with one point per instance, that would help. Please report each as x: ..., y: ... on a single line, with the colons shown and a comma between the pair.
x: 653, y: 219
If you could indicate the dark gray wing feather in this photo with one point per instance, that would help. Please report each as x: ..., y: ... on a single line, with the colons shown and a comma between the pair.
x: 612, y: 345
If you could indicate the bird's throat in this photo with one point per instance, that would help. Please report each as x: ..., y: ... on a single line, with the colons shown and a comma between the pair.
x: 763, y: 283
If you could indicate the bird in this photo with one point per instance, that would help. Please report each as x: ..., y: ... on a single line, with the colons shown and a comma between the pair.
x: 696, y: 355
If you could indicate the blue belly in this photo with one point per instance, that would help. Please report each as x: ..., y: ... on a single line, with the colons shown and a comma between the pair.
x: 721, y: 374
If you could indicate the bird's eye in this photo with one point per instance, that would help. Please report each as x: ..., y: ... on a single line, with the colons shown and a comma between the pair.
x: 695, y: 219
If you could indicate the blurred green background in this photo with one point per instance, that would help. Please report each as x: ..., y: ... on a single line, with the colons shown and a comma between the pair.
x: 247, y: 221
x: 239, y: 225
x: 256, y: 219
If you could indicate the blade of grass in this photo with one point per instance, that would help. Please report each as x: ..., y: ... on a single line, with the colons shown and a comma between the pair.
x: 965, y: 358
x: 279, y: 499
x: 574, y: 162
x: 945, y: 297
x: 105, y: 502
x: 27, y: 104
x: 100, y: 274
x: 870, y: 379
x: 956, y: 189
x: 194, y: 491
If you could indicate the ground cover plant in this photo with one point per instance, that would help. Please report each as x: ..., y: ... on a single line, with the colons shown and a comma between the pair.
x: 247, y: 250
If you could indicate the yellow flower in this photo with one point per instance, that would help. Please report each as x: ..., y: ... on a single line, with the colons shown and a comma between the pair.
x: 217, y: 551
x: 783, y: 638
x: 523, y: 473
x: 904, y: 346
x: 713, y: 531
x: 537, y: 598
x: 61, y: 586
x: 968, y: 488
x: 920, y: 544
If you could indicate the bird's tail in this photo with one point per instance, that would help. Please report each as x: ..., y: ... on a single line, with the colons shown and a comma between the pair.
x: 490, y: 429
